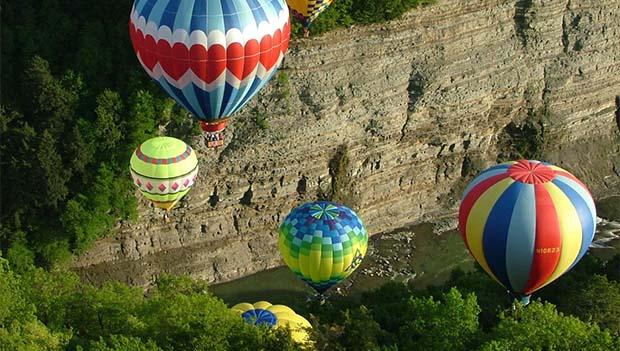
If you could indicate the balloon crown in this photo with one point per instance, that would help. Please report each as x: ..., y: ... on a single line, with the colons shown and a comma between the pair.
x: 531, y: 172
x: 260, y: 317
x: 327, y: 210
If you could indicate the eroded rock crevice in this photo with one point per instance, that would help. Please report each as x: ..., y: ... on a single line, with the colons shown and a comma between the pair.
x: 522, y: 19
x: 618, y: 112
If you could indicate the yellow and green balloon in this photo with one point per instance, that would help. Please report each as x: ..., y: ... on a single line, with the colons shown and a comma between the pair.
x: 164, y: 169
x: 275, y: 316
x: 323, y: 243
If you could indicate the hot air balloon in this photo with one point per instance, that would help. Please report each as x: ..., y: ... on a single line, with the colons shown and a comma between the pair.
x: 264, y: 313
x: 323, y: 243
x: 526, y: 223
x: 307, y: 11
x: 211, y: 56
x: 164, y: 169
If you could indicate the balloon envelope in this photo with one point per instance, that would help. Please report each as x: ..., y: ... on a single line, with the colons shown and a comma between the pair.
x: 307, y: 11
x: 264, y: 313
x: 527, y: 223
x: 211, y: 56
x: 323, y: 243
x: 164, y: 169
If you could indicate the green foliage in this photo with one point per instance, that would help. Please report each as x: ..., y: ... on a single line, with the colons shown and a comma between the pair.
x: 451, y: 323
x: 108, y: 124
x: 540, y: 327
x: 13, y: 306
x: 19, y: 254
x: 596, y: 299
x: 356, y: 330
x: 261, y: 119
x: 142, y: 113
x: 50, y: 294
x: 42, y: 310
x: 283, y: 84
x: 370, y: 11
x: 123, y: 343
x: 69, y: 124
x: 587, y: 293
x: 611, y: 269
x: 491, y: 297
x: 19, y: 328
x: 51, y: 172
x: 31, y: 336
x: 479, y: 315
x: 341, y: 183
x: 345, y: 13
x: 110, y: 310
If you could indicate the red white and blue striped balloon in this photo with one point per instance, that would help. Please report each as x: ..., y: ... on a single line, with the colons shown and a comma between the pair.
x: 211, y: 56
x: 527, y: 223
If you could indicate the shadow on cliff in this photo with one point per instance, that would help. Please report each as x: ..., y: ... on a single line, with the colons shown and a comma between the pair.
x: 618, y: 112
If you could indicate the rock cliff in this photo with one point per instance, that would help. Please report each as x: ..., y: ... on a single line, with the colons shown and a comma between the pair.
x: 392, y: 120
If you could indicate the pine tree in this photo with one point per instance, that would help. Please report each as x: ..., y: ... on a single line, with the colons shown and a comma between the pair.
x: 52, y: 175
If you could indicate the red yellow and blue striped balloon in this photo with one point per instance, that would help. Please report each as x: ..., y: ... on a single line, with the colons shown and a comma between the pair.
x: 527, y: 223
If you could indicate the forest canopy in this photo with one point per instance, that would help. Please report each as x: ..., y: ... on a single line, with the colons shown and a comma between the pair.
x: 41, y: 310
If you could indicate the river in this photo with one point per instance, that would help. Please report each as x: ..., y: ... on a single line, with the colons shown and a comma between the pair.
x: 421, y: 255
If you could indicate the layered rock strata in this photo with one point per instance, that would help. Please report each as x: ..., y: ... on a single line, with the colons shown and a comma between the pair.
x: 392, y: 120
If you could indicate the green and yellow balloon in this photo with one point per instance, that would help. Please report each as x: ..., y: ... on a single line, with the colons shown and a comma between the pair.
x: 275, y: 316
x: 164, y: 169
x: 323, y: 243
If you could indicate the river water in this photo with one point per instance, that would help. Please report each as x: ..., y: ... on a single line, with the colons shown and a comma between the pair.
x: 421, y: 255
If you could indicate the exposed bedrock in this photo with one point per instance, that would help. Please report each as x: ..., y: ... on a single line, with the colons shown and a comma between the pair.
x: 392, y: 120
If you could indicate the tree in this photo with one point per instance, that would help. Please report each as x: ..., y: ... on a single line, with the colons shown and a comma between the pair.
x: 587, y: 293
x: 19, y: 328
x: 19, y: 159
x: 50, y: 293
x: 181, y: 314
x: 52, y: 175
x: 108, y: 129
x: 540, y: 327
x: 612, y: 268
x: 20, y: 256
x: 51, y: 102
x: 31, y: 336
x: 82, y: 147
x: 595, y: 299
x: 142, y: 119
x: 113, y: 309
x: 13, y: 305
x: 122, y: 343
x: 450, y: 323
x: 491, y: 297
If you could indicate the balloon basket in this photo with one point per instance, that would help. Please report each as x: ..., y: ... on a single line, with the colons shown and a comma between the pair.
x: 214, y: 140
x: 318, y: 297
x: 213, y: 133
